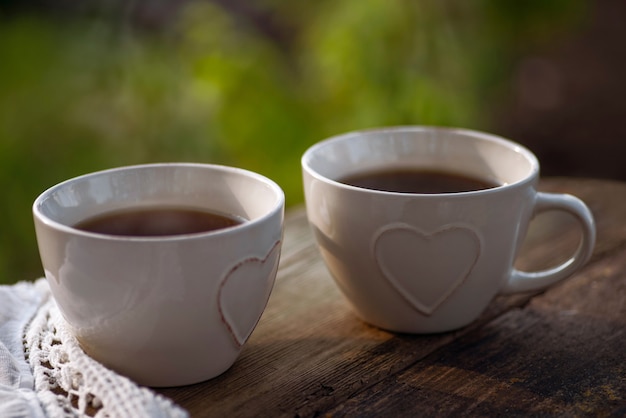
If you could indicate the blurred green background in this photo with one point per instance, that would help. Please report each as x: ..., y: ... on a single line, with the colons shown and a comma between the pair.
x: 91, y: 85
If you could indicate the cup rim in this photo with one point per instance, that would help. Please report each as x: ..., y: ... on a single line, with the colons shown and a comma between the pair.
x: 46, y: 220
x: 512, y: 145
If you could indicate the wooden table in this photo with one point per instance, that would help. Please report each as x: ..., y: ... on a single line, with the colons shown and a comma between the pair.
x: 558, y: 353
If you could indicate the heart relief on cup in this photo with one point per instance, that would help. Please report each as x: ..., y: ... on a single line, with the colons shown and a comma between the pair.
x: 420, y: 226
x: 162, y: 271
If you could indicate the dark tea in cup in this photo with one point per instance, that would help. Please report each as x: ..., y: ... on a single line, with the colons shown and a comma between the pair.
x: 429, y: 234
x: 158, y: 221
x: 407, y: 180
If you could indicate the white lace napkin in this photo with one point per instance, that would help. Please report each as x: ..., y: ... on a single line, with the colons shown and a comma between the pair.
x: 45, y: 373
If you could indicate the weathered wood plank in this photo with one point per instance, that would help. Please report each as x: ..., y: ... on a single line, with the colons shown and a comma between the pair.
x: 564, y: 354
x: 310, y: 354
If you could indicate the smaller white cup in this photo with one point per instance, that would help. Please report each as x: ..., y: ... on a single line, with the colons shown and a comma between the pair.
x: 169, y: 310
x: 422, y: 263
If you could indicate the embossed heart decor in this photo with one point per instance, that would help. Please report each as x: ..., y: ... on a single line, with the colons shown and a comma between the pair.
x: 239, y: 306
x: 426, y: 268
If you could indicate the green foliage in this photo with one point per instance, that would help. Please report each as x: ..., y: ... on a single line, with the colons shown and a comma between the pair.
x: 78, y: 96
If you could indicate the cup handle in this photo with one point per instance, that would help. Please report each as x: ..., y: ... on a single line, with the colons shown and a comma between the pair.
x: 522, y: 281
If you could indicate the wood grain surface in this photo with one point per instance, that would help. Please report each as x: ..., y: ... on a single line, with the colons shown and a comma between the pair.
x: 557, y: 353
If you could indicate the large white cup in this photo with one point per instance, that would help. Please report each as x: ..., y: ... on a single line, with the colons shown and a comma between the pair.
x: 421, y: 263
x: 169, y: 310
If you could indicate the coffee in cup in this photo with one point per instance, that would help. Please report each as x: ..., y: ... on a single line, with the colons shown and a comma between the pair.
x: 162, y: 271
x: 420, y: 226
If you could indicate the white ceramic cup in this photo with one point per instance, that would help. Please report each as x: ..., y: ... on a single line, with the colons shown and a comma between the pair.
x: 421, y: 263
x: 170, y: 310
